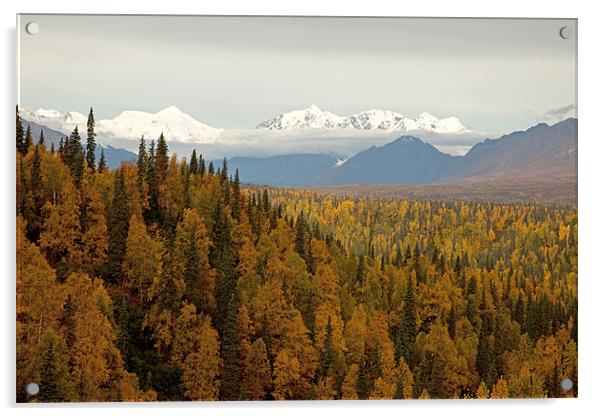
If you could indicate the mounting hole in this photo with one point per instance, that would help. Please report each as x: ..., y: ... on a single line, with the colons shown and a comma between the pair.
x: 566, y: 32
x: 566, y: 384
x: 32, y: 389
x: 32, y: 28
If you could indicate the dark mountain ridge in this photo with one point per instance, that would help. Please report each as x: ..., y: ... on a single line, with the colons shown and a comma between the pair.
x: 541, y: 151
x: 405, y: 160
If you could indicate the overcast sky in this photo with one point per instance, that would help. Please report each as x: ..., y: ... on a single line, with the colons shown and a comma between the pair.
x: 495, y: 75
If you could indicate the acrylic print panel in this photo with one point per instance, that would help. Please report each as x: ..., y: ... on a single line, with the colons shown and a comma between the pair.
x: 260, y: 208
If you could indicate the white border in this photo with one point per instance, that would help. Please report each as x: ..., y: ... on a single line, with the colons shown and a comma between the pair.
x: 590, y: 207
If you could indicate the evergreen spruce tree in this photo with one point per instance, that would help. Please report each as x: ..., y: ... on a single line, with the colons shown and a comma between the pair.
x: 142, y: 164
x: 35, y: 222
x: 20, y: 134
x: 236, y: 197
x: 118, y: 228
x: 327, y: 356
x: 300, y: 234
x: 230, y: 385
x: 405, y: 338
x: 225, y: 182
x: 201, y: 166
x: 74, y: 156
x: 161, y: 159
x: 211, y: 169
x: 41, y: 140
x: 224, y: 171
x: 102, y: 163
x: 28, y: 140
x: 153, y: 213
x: 221, y: 258
x: 194, y: 163
x: 91, y: 142
x: 53, y: 369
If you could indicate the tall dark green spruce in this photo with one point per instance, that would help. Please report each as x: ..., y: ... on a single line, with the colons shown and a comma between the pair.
x: 20, y: 134
x: 156, y: 174
x: 405, y: 337
x: 102, y: 163
x: 221, y: 258
x: 74, y: 156
x: 301, y: 237
x: 28, y: 140
x: 194, y: 163
x: 53, y: 369
x: 161, y: 159
x: 119, y: 216
x: 225, y: 182
x: 142, y: 164
x: 230, y: 385
x: 42, y: 140
x: 91, y: 142
x: 35, y: 222
x: 152, y: 213
x: 202, y: 168
x: 327, y: 356
x: 236, y: 197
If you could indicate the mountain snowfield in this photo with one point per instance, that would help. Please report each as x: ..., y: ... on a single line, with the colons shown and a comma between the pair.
x: 314, y: 118
x: 179, y: 126
x: 171, y: 121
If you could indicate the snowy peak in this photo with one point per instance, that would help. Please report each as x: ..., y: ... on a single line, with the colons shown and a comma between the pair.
x: 428, y: 122
x: 376, y: 119
x: 171, y: 121
x: 309, y: 118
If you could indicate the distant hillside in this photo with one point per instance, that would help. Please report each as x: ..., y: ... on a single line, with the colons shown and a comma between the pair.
x: 540, y: 152
x: 560, y: 191
x: 114, y: 156
x: 405, y: 160
x: 287, y: 170
x: 50, y: 136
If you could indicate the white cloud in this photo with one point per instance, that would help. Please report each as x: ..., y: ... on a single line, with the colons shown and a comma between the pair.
x: 264, y: 143
x: 554, y: 115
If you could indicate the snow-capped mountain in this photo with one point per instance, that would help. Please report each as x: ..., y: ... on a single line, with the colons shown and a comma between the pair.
x: 375, y: 119
x: 171, y: 121
x: 309, y: 118
x: 178, y: 126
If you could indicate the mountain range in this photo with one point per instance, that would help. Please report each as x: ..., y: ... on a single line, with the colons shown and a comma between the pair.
x: 541, y: 152
x: 375, y: 119
x: 182, y: 127
x: 405, y: 160
x: 171, y: 121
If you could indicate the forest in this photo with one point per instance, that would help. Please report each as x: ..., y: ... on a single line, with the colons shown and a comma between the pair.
x: 167, y: 279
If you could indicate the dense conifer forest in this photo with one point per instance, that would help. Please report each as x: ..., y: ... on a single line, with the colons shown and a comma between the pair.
x: 168, y: 280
